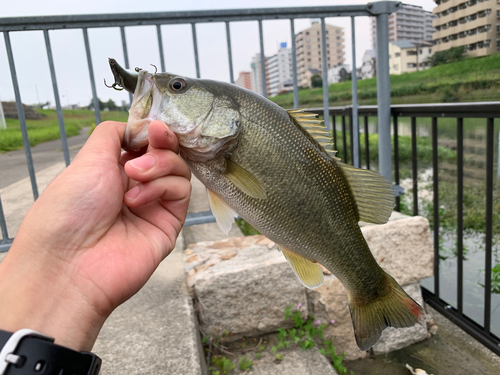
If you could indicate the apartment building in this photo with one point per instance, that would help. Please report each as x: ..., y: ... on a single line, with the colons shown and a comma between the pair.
x: 279, y: 69
x: 406, y: 57
x: 309, y: 50
x: 473, y: 24
x: 256, y: 75
x: 244, y: 80
x: 411, y: 23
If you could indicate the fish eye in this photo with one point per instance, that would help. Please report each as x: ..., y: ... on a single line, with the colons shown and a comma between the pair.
x: 178, y: 84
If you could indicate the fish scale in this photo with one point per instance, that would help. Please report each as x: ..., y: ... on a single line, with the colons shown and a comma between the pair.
x: 269, y: 166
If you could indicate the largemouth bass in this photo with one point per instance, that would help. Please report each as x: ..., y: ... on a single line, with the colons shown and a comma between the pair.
x: 275, y: 169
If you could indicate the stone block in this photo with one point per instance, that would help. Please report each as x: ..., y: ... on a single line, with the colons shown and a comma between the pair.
x: 245, y: 294
x: 403, y: 248
x: 398, y: 338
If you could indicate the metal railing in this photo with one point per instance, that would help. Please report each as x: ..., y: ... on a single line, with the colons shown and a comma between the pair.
x: 380, y: 10
x: 488, y: 111
x: 348, y: 136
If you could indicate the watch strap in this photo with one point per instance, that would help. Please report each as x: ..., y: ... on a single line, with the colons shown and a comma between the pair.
x: 28, y: 352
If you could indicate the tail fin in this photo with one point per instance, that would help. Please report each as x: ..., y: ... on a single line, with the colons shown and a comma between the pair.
x: 393, y: 309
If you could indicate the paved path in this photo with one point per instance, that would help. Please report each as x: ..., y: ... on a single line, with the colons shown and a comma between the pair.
x: 13, y: 165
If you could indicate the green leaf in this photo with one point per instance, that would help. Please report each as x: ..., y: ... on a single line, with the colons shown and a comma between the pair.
x: 262, y: 347
x: 259, y: 355
x: 288, y: 312
x: 245, y: 363
x: 274, y: 349
x: 279, y: 357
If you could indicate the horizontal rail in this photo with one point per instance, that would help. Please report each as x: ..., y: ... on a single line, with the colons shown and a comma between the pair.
x: 199, y: 16
x: 462, y: 110
x: 465, y: 323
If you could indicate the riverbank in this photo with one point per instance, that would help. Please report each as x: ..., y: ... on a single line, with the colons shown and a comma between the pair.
x: 470, y: 80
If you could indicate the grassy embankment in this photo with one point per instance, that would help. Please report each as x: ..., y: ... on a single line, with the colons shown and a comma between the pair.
x: 47, y: 129
x: 470, y: 80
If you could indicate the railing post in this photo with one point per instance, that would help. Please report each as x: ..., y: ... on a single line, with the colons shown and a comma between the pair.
x: 294, y: 66
x: 160, y: 47
x: 22, y: 117
x: 262, y: 61
x: 195, y: 48
x: 355, y: 123
x: 60, y: 118
x: 95, y: 99
x: 384, y: 97
x: 125, y: 55
x: 229, y: 52
x: 381, y: 10
x: 326, y: 112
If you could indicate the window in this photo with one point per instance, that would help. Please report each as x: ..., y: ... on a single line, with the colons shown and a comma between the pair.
x: 411, y: 53
x: 307, y: 40
x: 307, y: 32
x: 411, y: 65
x: 318, y: 39
x: 396, y: 67
x: 396, y: 55
x: 309, y: 53
x: 308, y: 46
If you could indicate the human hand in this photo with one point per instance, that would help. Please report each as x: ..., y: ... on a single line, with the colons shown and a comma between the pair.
x: 95, y: 236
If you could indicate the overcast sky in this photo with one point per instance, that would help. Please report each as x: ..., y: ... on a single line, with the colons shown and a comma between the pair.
x: 69, y: 51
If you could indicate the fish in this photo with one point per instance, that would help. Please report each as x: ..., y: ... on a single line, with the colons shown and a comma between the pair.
x: 277, y: 170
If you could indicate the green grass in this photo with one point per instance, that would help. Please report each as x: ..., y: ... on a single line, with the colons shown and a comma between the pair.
x: 473, y: 79
x: 47, y: 128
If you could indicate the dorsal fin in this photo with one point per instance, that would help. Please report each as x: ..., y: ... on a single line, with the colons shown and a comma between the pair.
x: 372, y: 192
x: 313, y: 126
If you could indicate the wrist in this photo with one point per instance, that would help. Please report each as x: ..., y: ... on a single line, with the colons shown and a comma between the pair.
x: 40, y: 296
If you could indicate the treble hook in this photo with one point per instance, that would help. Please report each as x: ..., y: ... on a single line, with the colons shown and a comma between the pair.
x: 113, y: 86
x: 156, y: 69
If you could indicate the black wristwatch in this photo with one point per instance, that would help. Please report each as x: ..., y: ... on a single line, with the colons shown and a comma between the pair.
x: 28, y: 352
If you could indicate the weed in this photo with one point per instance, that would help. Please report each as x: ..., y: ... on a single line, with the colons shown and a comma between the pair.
x: 307, y: 333
x: 245, y: 363
x: 221, y: 365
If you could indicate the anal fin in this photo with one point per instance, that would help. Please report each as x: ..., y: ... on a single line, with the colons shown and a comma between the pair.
x: 310, y: 274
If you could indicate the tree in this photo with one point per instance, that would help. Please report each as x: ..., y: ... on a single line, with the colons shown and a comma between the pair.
x: 316, y: 81
x: 453, y: 54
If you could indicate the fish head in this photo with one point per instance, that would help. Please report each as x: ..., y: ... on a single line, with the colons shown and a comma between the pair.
x: 202, y: 114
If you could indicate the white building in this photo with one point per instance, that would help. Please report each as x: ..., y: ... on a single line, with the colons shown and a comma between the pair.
x: 279, y: 69
x: 406, y: 57
x: 411, y: 23
x: 369, y: 65
x: 337, y: 73
x: 257, y: 75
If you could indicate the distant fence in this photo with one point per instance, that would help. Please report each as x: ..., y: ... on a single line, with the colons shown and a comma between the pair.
x: 486, y: 113
x: 380, y: 10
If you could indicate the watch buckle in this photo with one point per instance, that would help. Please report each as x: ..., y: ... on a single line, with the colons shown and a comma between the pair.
x: 8, y: 354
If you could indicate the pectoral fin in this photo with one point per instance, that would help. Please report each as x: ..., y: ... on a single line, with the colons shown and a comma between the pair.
x: 244, y: 180
x: 224, y: 215
x: 309, y: 273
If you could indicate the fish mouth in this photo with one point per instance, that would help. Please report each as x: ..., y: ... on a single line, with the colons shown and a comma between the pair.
x: 144, y: 109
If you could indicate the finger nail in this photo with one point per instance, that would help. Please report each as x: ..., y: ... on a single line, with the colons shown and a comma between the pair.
x: 132, y: 193
x: 144, y: 163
